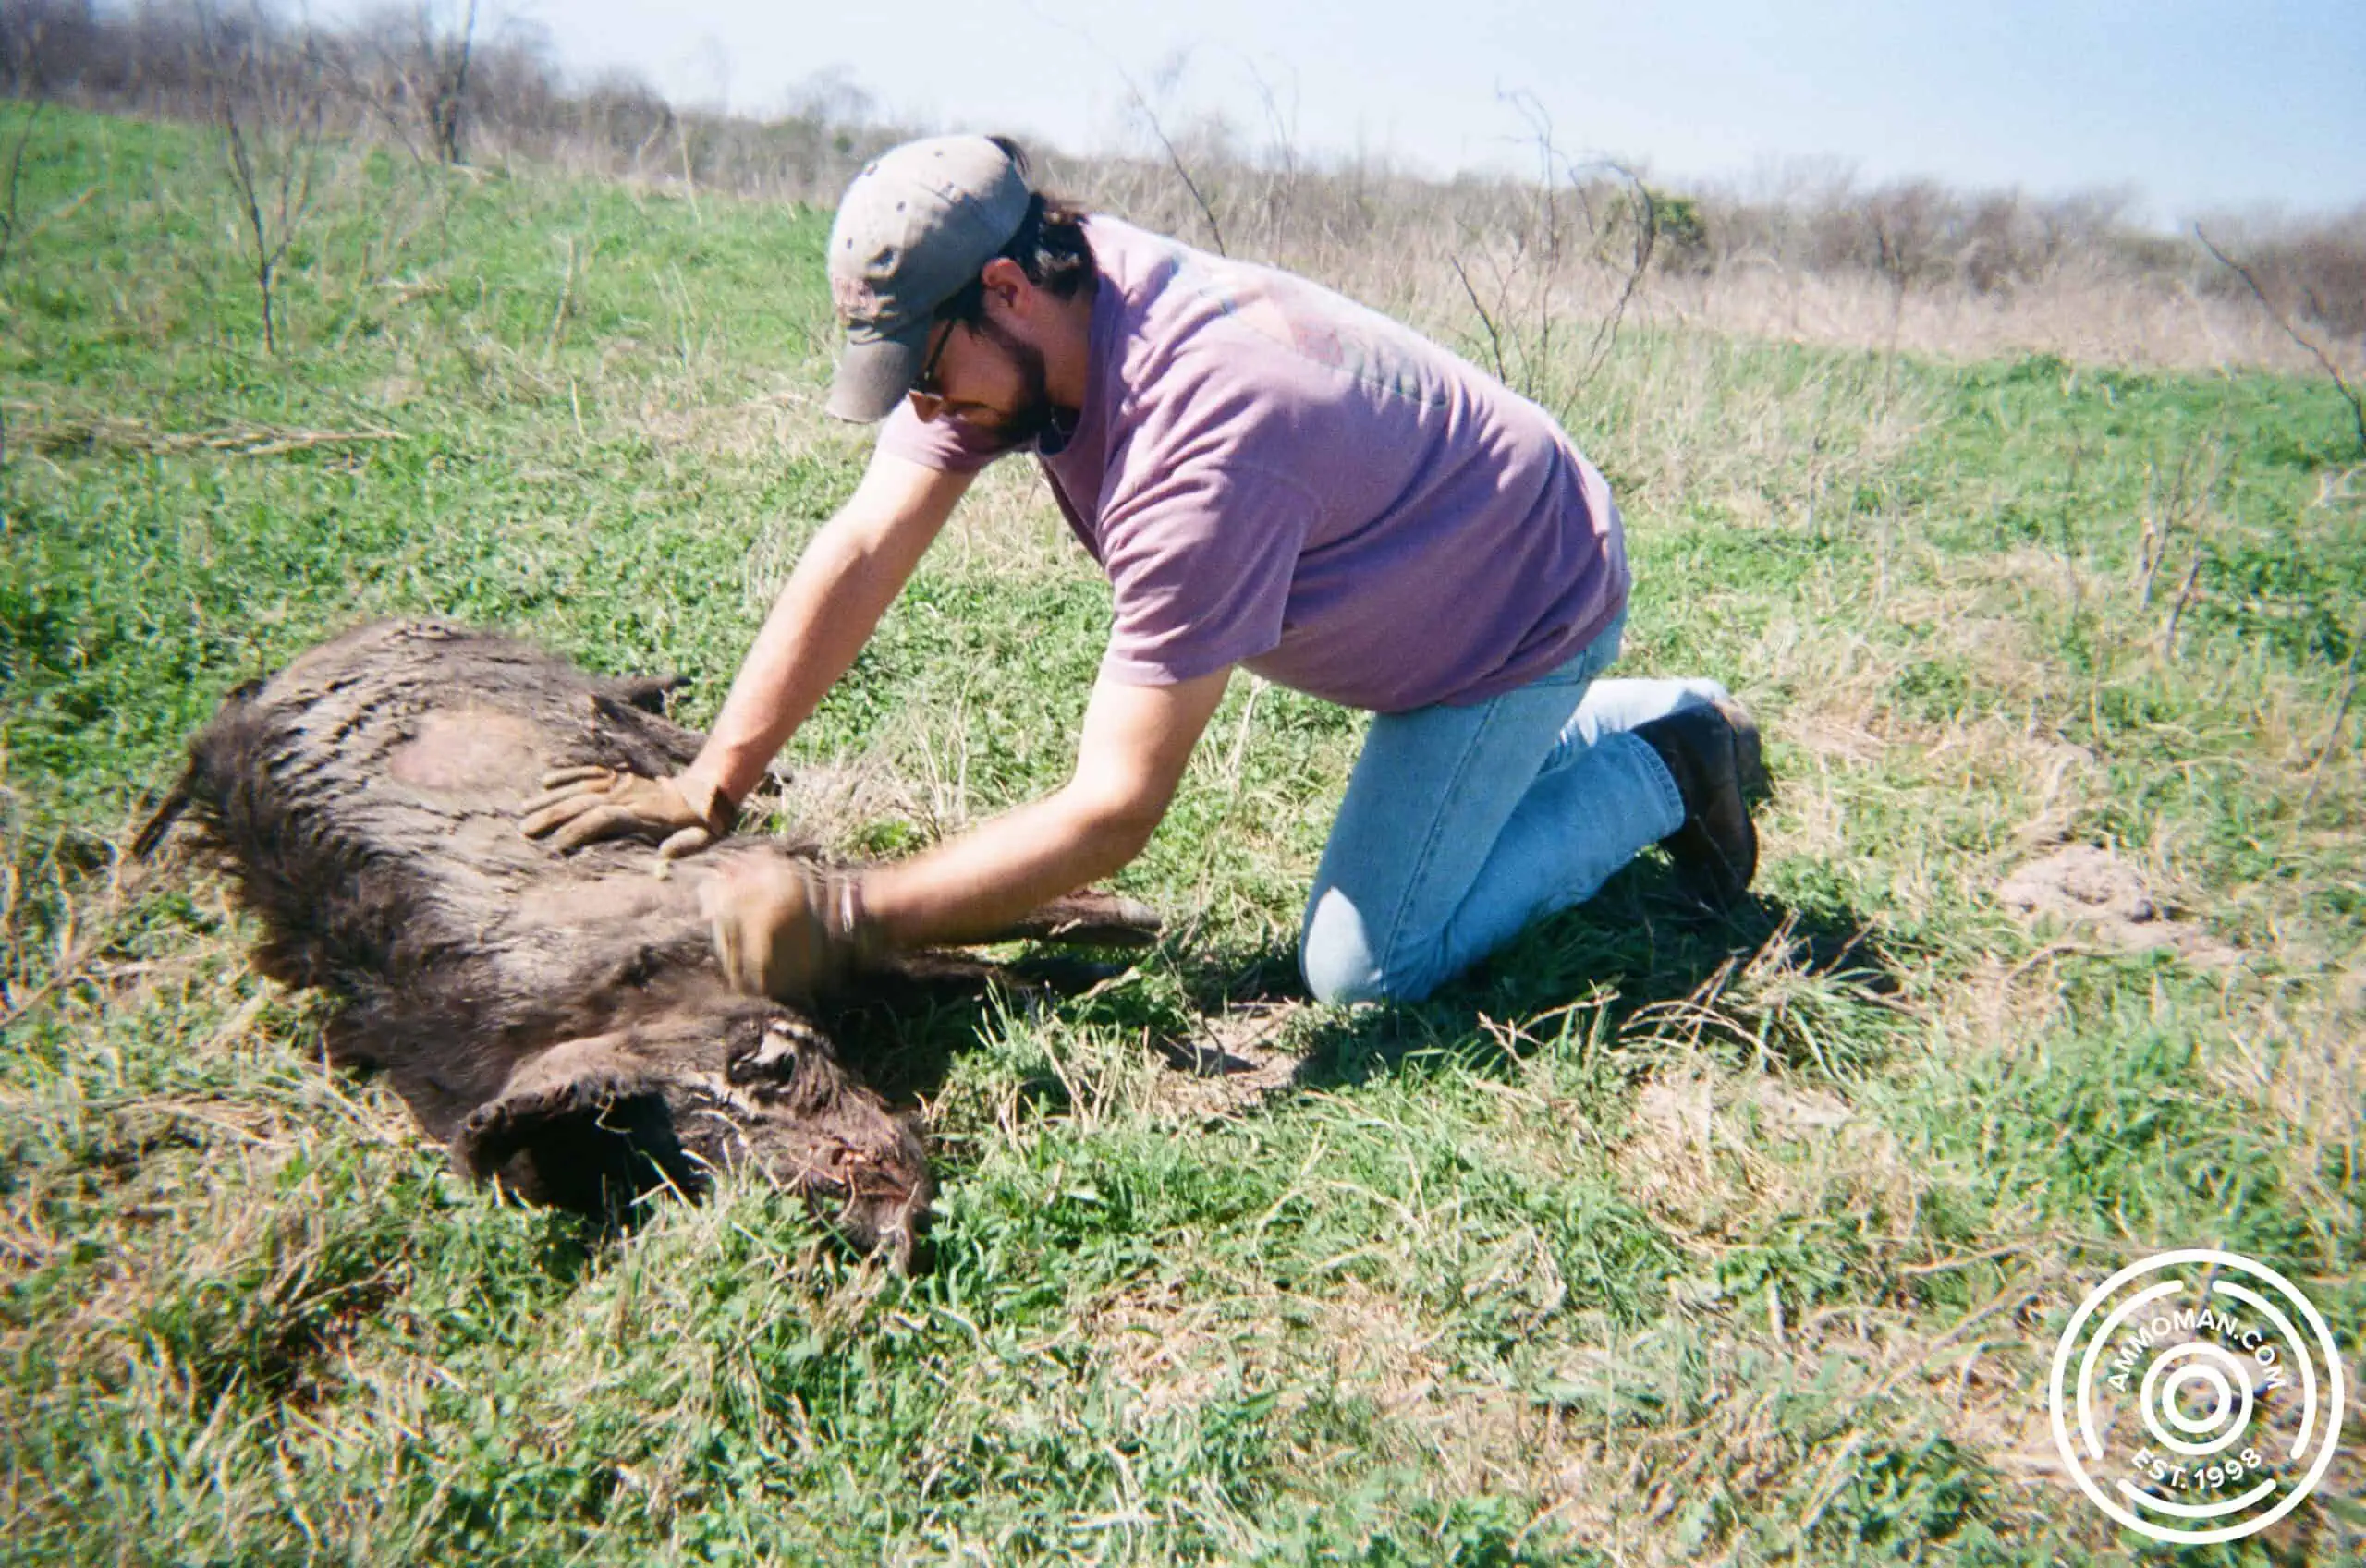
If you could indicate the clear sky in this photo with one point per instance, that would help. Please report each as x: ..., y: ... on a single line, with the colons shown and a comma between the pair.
x: 2200, y: 104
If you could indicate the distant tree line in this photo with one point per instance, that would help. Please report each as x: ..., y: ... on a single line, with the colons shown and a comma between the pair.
x: 431, y: 77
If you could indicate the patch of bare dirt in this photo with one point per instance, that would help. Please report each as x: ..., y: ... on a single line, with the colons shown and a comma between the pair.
x: 1236, y: 1059
x: 1689, y: 1108
x: 2088, y: 888
x: 1172, y: 1352
x: 1702, y: 1148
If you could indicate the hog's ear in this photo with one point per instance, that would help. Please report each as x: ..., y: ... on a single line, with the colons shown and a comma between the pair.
x: 583, y: 1126
x: 646, y: 693
x: 781, y: 1052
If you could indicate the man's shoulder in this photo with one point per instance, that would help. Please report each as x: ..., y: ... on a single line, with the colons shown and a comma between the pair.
x: 1250, y: 333
x: 1124, y: 248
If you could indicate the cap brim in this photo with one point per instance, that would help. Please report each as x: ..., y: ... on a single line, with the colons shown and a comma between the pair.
x: 874, y: 374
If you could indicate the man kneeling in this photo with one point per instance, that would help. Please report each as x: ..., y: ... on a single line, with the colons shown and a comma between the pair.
x: 1273, y: 478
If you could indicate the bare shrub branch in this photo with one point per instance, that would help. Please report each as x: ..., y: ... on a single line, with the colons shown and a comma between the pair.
x: 1141, y: 105
x: 2357, y: 410
x: 268, y: 100
x: 1494, y: 338
x: 24, y: 67
x: 2340, y: 712
x: 2358, y: 416
x: 16, y: 170
x: 447, y: 58
x: 1572, y: 219
x: 1640, y: 216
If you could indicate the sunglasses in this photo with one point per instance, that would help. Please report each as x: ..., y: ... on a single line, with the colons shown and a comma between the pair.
x: 928, y: 398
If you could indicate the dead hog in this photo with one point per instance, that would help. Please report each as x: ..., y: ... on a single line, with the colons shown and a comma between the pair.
x: 557, y: 1022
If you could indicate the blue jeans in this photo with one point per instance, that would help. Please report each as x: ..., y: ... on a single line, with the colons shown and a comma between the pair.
x: 1462, y: 825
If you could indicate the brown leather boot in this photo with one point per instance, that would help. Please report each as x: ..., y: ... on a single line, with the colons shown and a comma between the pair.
x: 1717, y: 849
x: 1749, y: 760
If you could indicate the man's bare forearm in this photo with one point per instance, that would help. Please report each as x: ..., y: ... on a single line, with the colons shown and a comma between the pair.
x: 1129, y: 760
x: 826, y: 613
x: 981, y: 881
x: 843, y: 584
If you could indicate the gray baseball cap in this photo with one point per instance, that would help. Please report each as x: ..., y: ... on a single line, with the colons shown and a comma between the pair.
x: 915, y: 227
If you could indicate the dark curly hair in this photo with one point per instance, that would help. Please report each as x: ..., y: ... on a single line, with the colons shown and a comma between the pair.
x: 1050, y: 248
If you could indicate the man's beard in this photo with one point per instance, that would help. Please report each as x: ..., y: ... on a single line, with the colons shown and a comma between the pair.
x: 1034, y: 416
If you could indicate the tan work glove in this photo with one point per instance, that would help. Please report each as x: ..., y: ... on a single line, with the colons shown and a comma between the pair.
x: 684, y: 814
x: 786, y: 929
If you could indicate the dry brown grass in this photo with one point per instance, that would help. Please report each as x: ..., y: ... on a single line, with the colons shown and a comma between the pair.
x: 2084, y: 315
x: 1397, y: 245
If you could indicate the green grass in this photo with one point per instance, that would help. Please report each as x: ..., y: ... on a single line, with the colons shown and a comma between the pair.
x: 1652, y: 1241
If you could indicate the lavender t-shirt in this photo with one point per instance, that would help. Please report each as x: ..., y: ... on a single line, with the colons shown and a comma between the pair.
x: 1273, y: 475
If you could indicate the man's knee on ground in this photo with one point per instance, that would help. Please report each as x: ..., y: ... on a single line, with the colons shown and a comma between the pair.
x: 1337, y: 959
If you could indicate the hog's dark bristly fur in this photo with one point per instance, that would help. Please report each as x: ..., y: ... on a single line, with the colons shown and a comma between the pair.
x: 557, y: 1021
